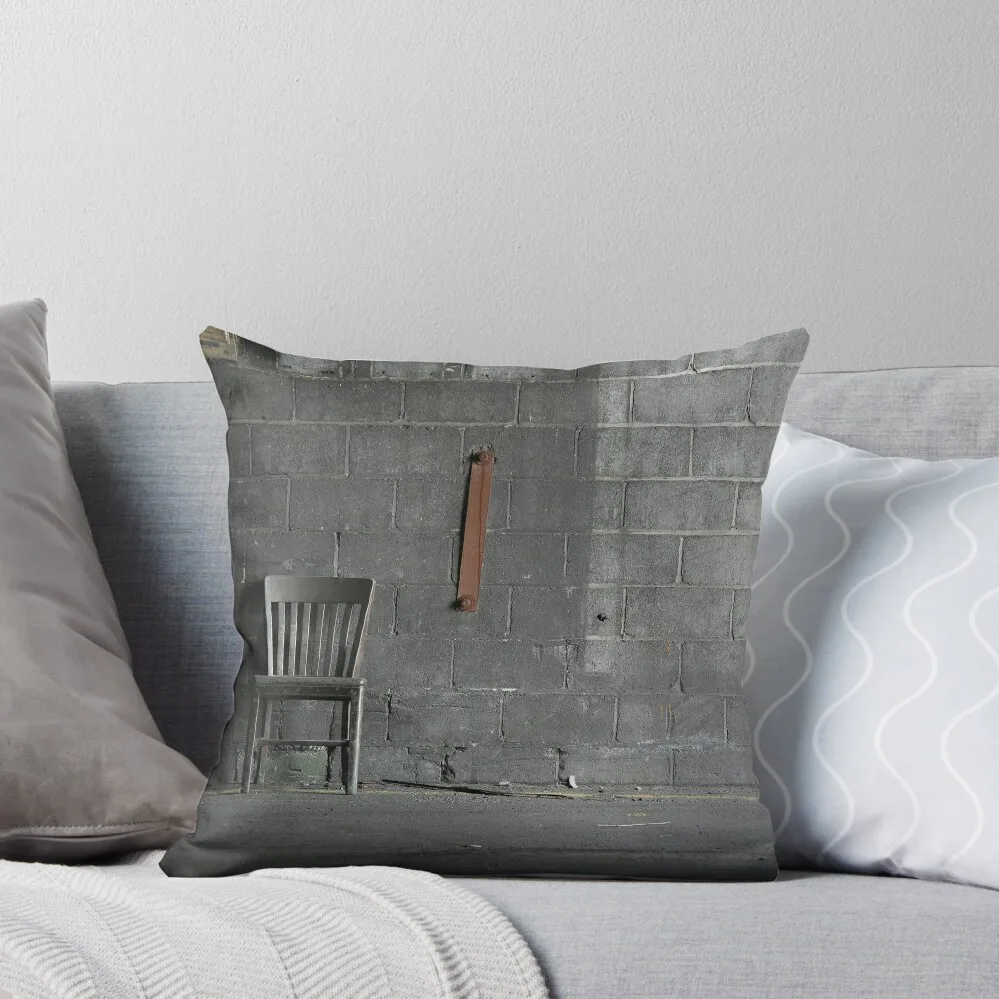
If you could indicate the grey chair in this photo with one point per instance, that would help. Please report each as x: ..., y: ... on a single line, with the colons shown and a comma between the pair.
x: 315, y: 635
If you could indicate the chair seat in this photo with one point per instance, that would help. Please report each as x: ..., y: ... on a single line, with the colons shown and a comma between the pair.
x: 306, y: 686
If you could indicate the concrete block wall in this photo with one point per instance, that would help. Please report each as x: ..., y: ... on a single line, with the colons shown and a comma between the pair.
x: 623, y: 519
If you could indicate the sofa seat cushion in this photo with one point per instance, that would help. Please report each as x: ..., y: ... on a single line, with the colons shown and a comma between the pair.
x: 813, y: 935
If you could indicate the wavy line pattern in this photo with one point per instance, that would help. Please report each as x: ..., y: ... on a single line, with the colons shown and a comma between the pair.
x: 758, y: 750
x: 993, y: 652
x: 899, y: 705
x: 845, y: 617
x: 872, y: 679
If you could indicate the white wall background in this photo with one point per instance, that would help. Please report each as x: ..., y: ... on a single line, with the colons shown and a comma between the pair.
x: 557, y: 182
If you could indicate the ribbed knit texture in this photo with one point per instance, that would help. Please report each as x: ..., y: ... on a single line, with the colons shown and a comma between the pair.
x: 124, y: 930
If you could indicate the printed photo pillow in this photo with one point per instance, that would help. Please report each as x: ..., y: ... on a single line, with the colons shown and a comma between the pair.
x: 493, y: 618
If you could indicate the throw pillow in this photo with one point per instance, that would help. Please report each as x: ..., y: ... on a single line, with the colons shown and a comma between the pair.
x: 873, y: 674
x: 83, y: 770
x: 546, y: 677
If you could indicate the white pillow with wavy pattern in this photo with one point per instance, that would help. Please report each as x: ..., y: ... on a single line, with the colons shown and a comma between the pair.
x: 872, y: 675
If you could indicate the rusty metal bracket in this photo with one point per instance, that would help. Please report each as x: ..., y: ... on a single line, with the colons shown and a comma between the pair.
x: 473, y: 538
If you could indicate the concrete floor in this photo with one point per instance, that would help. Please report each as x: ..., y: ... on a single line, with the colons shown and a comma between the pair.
x: 621, y: 833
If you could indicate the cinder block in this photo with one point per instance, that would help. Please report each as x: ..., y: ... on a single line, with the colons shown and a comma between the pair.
x: 575, y: 403
x: 439, y: 505
x: 727, y: 766
x: 319, y: 367
x: 411, y: 558
x: 740, y: 612
x: 652, y: 559
x: 509, y: 665
x: 286, y: 766
x: 678, y: 611
x: 698, y: 720
x: 780, y: 348
x: 237, y: 440
x: 263, y: 553
x: 566, y: 506
x: 740, y: 452
x: 385, y: 763
x: 679, y: 505
x: 328, y: 400
x: 307, y: 719
x: 394, y: 451
x: 558, y: 719
x: 737, y: 728
x: 516, y: 764
x: 632, y: 666
x: 635, y: 369
x: 429, y: 610
x: 718, y: 559
x: 461, y: 402
x: 434, y: 763
x: 254, y: 394
x: 319, y: 503
x: 381, y: 610
x: 769, y: 393
x: 558, y: 612
x: 622, y: 766
x: 444, y: 717
x: 293, y: 449
x: 374, y: 717
x: 712, y: 667
x: 258, y: 502
x: 643, y: 719
x: 513, y: 373
x: 718, y: 397
x: 748, y: 507
x: 404, y: 662
x: 633, y: 452
x: 524, y: 452
x: 409, y: 370
x: 324, y: 720
x: 523, y: 559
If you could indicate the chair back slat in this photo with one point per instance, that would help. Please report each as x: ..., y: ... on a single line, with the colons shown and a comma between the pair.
x: 355, y: 647
x: 322, y: 627
x: 304, y: 656
x: 282, y: 638
x: 329, y: 660
x: 341, y: 640
x: 294, y: 613
x: 315, y: 624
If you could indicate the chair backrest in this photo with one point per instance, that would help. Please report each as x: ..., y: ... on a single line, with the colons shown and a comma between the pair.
x: 315, y: 624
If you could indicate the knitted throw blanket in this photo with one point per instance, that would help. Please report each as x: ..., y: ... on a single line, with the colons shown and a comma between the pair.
x: 125, y: 929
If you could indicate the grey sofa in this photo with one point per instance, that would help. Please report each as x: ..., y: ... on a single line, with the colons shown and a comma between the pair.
x: 150, y: 462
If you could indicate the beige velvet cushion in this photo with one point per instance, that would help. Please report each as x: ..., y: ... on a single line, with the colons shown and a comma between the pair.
x: 83, y: 770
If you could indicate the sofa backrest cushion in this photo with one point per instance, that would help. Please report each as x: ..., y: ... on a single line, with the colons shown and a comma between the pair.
x: 150, y: 462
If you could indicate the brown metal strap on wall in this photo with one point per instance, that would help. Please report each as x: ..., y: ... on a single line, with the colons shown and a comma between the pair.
x: 473, y: 539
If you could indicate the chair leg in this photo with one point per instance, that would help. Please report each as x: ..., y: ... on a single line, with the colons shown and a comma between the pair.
x: 356, y: 708
x: 251, y: 741
x: 265, y: 751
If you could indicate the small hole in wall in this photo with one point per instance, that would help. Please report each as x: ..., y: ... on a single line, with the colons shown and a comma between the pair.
x: 601, y: 617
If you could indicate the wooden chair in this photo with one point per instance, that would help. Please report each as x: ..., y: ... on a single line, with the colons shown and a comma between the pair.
x: 315, y: 631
